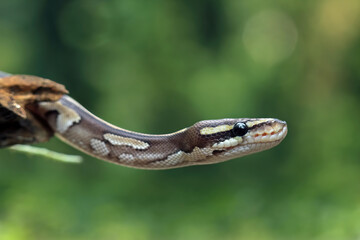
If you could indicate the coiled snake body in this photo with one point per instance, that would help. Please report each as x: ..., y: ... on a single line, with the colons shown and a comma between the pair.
x: 205, y: 142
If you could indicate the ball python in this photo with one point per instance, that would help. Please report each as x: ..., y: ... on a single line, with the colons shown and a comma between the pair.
x: 205, y: 142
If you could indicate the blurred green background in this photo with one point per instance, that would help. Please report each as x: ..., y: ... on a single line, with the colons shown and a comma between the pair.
x: 158, y: 66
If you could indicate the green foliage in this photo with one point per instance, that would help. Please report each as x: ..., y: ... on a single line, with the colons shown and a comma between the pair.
x: 46, y: 153
x: 158, y: 66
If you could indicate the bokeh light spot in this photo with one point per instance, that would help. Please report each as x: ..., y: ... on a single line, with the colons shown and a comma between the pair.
x: 270, y: 37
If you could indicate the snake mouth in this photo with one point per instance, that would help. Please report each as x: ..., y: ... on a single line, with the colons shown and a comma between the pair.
x: 271, y: 132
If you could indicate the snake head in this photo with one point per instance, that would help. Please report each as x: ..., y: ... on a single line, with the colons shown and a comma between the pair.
x: 233, y: 138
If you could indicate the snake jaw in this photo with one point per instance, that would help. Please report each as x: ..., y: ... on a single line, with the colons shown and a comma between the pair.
x: 272, y: 130
x: 262, y: 137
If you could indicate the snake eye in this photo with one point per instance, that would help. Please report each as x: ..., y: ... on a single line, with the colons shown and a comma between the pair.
x: 240, y: 129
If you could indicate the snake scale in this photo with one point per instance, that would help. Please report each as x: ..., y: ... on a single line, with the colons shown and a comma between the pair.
x: 205, y: 142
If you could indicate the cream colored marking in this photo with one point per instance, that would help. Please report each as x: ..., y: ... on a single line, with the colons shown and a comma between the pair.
x: 66, y: 118
x: 118, y: 140
x: 175, y: 158
x: 99, y: 147
x: 148, y: 157
x: 198, y: 154
x: 172, y: 160
x: 277, y: 127
x: 232, y: 142
x: 126, y: 157
x: 213, y: 130
x: 256, y: 122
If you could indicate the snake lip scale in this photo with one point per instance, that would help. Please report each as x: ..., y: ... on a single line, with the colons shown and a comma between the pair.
x: 206, y: 142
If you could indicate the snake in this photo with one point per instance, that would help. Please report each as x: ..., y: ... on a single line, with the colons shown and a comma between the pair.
x: 205, y: 142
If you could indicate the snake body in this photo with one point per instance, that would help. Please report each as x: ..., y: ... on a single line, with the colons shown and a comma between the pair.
x: 205, y: 142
